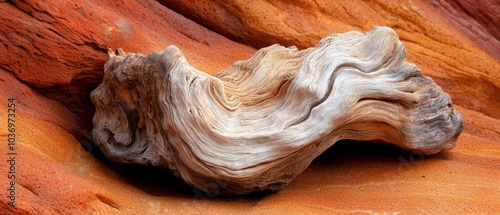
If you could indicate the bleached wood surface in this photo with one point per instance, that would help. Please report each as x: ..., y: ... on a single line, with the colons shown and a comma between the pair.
x: 259, y: 124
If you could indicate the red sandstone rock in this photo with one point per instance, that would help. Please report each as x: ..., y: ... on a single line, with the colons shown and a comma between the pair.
x: 478, y: 20
x: 60, y: 47
x: 52, y: 57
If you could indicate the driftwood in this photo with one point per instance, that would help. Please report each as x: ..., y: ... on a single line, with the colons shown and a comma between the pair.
x: 260, y: 123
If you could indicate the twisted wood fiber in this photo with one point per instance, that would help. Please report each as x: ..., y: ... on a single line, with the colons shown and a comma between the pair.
x: 258, y: 124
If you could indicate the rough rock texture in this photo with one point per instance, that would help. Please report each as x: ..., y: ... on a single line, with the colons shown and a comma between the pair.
x: 53, y: 53
x: 60, y: 47
x: 258, y: 124
x: 478, y: 20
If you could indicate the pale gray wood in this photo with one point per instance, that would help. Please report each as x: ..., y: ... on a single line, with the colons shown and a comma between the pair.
x: 260, y: 123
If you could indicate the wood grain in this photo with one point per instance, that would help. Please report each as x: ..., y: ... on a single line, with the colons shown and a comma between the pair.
x: 260, y: 123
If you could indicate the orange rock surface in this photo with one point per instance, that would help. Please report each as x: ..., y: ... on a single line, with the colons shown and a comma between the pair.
x: 53, y: 53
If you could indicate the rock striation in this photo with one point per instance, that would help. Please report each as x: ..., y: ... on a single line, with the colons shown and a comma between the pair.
x: 260, y: 123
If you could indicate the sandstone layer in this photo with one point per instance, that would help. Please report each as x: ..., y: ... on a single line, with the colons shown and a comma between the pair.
x: 53, y: 55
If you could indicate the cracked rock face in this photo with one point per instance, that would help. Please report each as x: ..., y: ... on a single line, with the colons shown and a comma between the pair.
x: 258, y: 124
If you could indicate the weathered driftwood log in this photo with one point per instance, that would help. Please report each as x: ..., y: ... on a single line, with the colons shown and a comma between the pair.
x: 260, y: 123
